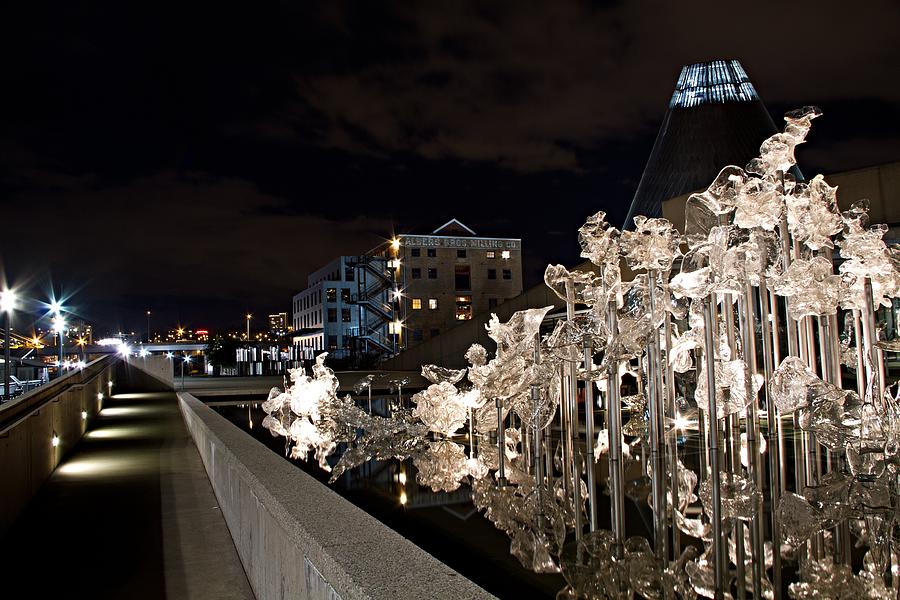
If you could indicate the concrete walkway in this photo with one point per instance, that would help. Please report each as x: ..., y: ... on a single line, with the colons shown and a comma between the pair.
x: 129, y: 514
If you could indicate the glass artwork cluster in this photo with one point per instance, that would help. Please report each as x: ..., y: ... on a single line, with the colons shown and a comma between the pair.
x: 735, y: 384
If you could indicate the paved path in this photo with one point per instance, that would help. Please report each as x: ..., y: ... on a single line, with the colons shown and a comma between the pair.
x: 129, y: 514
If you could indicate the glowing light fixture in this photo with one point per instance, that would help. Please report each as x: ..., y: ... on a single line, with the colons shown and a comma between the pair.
x: 84, y: 415
x: 54, y: 441
x: 403, y: 498
x: 8, y: 300
x: 59, y: 324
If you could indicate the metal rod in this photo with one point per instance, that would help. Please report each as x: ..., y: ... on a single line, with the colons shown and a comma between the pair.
x: 616, y: 468
x: 589, y: 435
x: 719, y: 563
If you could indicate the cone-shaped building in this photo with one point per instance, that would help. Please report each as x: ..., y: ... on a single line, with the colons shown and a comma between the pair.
x: 715, y: 118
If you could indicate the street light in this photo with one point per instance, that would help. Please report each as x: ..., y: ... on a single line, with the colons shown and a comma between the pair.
x: 249, y: 316
x: 7, y: 305
x: 148, y: 326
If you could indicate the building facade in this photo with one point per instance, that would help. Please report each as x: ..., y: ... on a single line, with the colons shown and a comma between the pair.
x: 450, y: 275
x: 404, y: 292
x: 278, y: 324
x: 333, y: 313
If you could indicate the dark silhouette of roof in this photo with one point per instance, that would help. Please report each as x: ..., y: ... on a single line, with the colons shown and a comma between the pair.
x: 715, y: 118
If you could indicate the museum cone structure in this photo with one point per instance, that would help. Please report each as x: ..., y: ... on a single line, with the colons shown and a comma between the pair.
x: 734, y: 390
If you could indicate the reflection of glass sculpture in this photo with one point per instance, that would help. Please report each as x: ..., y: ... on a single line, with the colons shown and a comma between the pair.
x: 738, y: 336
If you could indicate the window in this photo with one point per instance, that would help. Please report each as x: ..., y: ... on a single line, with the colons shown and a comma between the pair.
x: 490, y: 254
x: 349, y: 274
x: 416, y: 273
x: 332, y: 342
x: 332, y: 315
x: 432, y: 304
x: 461, y: 253
x: 504, y: 254
x: 432, y: 252
x: 434, y: 332
x: 463, y: 277
x: 463, y: 308
x: 417, y: 304
x: 492, y: 303
x: 331, y: 294
x: 415, y: 252
x: 417, y: 335
x: 432, y: 273
x: 345, y: 315
x: 345, y: 295
x: 507, y: 274
x: 492, y: 273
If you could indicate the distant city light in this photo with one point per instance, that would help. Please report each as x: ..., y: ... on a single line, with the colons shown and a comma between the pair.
x: 125, y: 350
x: 56, y: 307
x: 143, y: 352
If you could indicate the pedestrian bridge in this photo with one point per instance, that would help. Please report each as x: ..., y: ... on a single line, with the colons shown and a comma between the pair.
x: 140, y: 492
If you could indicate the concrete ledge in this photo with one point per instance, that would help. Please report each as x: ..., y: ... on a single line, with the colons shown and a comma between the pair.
x: 299, y: 539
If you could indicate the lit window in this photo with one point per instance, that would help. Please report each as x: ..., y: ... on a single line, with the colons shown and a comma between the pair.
x: 345, y: 295
x: 417, y: 304
x: 463, y: 308
x: 504, y: 254
x: 331, y: 295
x: 490, y: 254
x: 432, y: 304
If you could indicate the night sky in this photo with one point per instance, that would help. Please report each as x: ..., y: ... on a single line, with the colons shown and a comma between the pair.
x: 199, y: 159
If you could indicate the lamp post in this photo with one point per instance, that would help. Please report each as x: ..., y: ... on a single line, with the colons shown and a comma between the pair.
x: 148, y: 326
x: 7, y: 304
x: 249, y: 316
x: 187, y: 360
x: 59, y: 327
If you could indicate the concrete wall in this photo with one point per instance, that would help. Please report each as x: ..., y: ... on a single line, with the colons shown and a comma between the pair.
x: 298, y: 539
x: 29, y: 422
x: 153, y: 373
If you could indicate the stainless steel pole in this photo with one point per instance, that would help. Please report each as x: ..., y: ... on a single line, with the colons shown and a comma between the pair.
x: 718, y: 543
